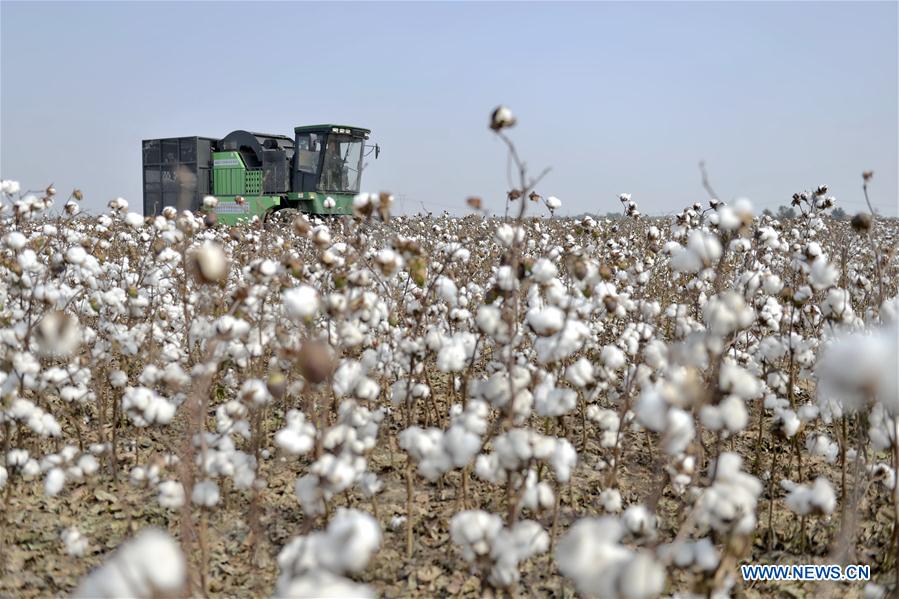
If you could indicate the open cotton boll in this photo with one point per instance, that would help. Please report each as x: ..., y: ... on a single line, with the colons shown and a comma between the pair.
x: 856, y: 368
x: 75, y: 543
x: 612, y: 357
x: 148, y: 566
x: 455, y: 352
x: 134, y: 220
x: 15, y: 240
x: 702, y: 251
x: 543, y: 271
x: 171, y: 494
x: 322, y: 584
x: 739, y: 381
x: 591, y: 556
x: 819, y: 498
x: 144, y: 407
x: 205, y: 493
x: 298, y: 436
x: 679, y: 432
x: 301, y: 303
x: 346, y: 546
x: 639, y: 521
x: 553, y: 203
x: 580, y: 374
x: 545, y: 321
x: 821, y: 445
x: 550, y: 400
x: 473, y: 531
x: 610, y: 501
x: 53, y: 484
x: 728, y: 504
x: 643, y: 577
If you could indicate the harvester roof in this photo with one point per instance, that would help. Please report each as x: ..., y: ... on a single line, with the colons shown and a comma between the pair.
x: 349, y: 129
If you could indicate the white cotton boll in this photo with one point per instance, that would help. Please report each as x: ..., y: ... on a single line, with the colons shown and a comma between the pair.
x: 821, y: 445
x: 612, y: 357
x: 446, y: 290
x: 17, y: 457
x: 134, y: 220
x: 15, y: 240
x: 118, y: 378
x: 817, y: 499
x: 610, y: 501
x: 643, y: 577
x: 31, y: 469
x: 301, y: 303
x: 210, y: 262
x: 639, y: 521
x: 171, y: 494
x: 210, y: 202
x: 651, y: 410
x: 856, y: 368
x: 489, y: 320
x: 552, y: 401
x: 821, y: 274
x: 321, y: 584
x: 150, y: 565
x: 298, y: 436
x: 734, y: 416
x: 544, y: 271
x: 702, y: 251
x: 88, y: 464
x: 546, y: 321
x: 205, y: 493
x: 678, y: 433
x: 455, y: 352
x: 580, y: 374
x: 553, y: 203
x: 9, y: 187
x: 789, y: 422
x: 354, y: 537
x: 563, y: 344
x: 76, y: 255
x: 54, y: 482
x: 75, y: 543
x: 738, y: 381
x: 563, y: 459
x: 590, y: 555
x: 506, y: 235
x: 4, y: 475
x: 473, y: 532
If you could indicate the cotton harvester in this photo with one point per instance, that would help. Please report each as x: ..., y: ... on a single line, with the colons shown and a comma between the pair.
x: 318, y: 171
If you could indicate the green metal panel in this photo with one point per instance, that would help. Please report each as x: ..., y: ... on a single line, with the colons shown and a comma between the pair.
x: 230, y: 212
x: 227, y: 160
x: 228, y: 174
x: 253, y: 182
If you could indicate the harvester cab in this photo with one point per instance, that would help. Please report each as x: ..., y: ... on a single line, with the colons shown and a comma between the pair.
x: 318, y: 171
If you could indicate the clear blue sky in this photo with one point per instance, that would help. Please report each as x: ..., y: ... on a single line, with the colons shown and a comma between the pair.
x: 615, y: 97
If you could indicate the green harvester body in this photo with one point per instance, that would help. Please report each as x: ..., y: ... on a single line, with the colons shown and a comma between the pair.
x: 318, y: 171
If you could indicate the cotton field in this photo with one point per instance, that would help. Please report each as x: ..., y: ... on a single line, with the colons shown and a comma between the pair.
x: 388, y: 405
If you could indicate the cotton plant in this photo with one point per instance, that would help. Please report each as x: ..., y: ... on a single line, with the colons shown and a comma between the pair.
x: 592, y: 555
x: 149, y: 565
x: 495, y: 549
x: 719, y: 351
x: 316, y: 565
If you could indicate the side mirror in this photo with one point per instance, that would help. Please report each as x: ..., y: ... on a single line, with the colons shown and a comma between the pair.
x: 377, y: 151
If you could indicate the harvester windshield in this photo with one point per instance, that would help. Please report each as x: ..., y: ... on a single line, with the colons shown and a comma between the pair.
x: 342, y: 166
